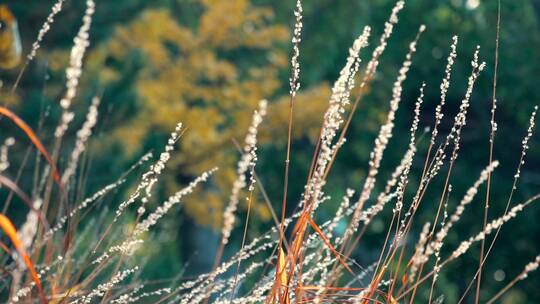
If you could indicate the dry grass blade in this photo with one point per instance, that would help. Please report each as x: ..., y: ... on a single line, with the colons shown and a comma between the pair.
x: 8, y: 183
x: 282, y: 273
x: 7, y: 226
x: 5, y: 248
x: 329, y: 245
x: 33, y: 138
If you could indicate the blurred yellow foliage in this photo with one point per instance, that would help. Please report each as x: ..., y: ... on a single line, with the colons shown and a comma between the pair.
x: 209, y: 77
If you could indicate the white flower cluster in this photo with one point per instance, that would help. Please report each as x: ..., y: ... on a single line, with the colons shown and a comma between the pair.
x: 412, y: 144
x: 150, y: 177
x: 385, y: 132
x: 4, y: 161
x: 82, y: 137
x: 419, y: 256
x: 200, y: 285
x: 29, y: 228
x: 296, y: 39
x: 455, y: 132
x: 388, y: 29
x: 454, y: 136
x: 126, y: 248
x: 530, y: 267
x: 525, y: 143
x: 247, y: 161
x: 333, y: 116
x: 74, y: 71
x: 444, y: 89
x: 367, y: 215
x: 435, y: 245
x: 386, y: 196
x: 232, y: 282
x: 57, y: 7
x: 493, y: 123
x: 256, y: 246
x: 22, y: 293
x: 25, y: 291
x: 102, y: 289
x: 461, y: 117
x: 135, y: 296
x: 495, y: 224
x: 153, y: 218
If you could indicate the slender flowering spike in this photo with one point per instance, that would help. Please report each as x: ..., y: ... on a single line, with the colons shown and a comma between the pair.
x: 74, y: 71
x: 372, y: 65
x: 230, y: 283
x: 454, y: 135
x: 86, y: 202
x: 444, y: 89
x: 104, y: 288
x: 127, y: 248
x: 175, y: 199
x: 296, y: 39
x: 461, y: 118
x: 150, y: 178
x: 493, y: 225
x: 419, y: 256
x: 246, y: 162
x: 385, y: 132
x: 530, y: 267
x: 82, y: 137
x: 57, y: 7
x: 435, y: 245
x: 26, y: 235
x: 386, y: 195
x: 136, y: 297
x: 525, y: 144
x: 400, y: 174
x: 388, y: 29
x: 333, y: 116
x: 412, y: 143
x: 201, y: 283
x: 29, y: 228
x: 257, y: 245
x: 4, y: 161
x: 437, y: 253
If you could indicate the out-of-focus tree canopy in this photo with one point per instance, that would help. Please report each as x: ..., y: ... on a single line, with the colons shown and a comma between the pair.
x: 209, y: 77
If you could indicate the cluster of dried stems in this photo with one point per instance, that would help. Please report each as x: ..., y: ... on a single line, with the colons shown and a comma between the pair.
x: 300, y: 260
